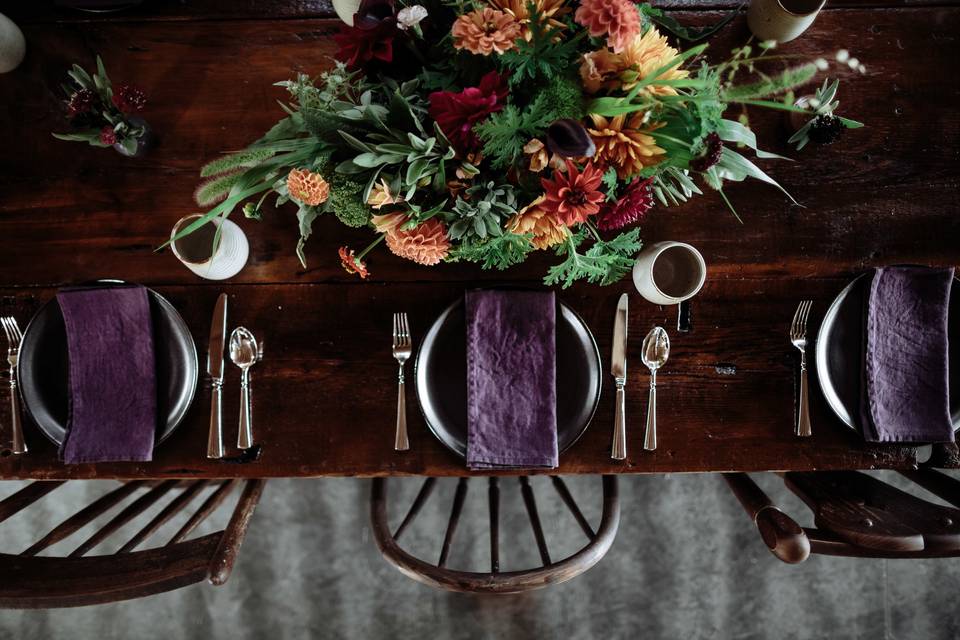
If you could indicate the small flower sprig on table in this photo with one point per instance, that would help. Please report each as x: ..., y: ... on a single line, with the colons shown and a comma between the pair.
x: 100, y: 115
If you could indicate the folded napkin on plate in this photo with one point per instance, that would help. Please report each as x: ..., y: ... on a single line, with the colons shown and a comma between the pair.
x: 906, y: 394
x: 511, y: 379
x: 113, y: 388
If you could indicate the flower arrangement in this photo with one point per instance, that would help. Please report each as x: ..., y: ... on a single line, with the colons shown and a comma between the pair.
x: 484, y: 130
x: 101, y: 115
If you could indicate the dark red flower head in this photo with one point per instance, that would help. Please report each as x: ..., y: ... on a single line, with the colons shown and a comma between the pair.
x: 129, y: 99
x: 80, y: 102
x: 630, y: 208
x: 456, y: 113
x: 108, y: 136
x: 710, y: 155
x: 371, y: 36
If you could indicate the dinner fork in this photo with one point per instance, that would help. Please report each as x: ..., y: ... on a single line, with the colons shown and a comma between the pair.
x: 798, y: 336
x: 401, y: 352
x: 14, y: 337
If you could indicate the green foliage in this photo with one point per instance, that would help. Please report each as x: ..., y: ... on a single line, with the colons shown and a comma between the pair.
x: 234, y: 161
x: 605, y: 262
x: 562, y: 98
x: 481, y: 213
x: 215, y: 189
x: 504, y: 133
x: 346, y: 201
x: 672, y: 185
x: 770, y: 85
x: 672, y: 25
x: 544, y: 57
x: 495, y: 252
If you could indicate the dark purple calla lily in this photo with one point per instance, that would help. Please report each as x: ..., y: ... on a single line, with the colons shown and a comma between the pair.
x: 569, y: 139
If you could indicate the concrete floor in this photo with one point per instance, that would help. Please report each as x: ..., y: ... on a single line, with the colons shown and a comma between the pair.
x: 686, y: 564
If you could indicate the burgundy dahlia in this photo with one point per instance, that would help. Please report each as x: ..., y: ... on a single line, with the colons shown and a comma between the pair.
x: 457, y: 113
x: 108, y: 136
x: 630, y: 208
x: 129, y: 99
x: 80, y: 102
x: 371, y: 36
x: 712, y: 148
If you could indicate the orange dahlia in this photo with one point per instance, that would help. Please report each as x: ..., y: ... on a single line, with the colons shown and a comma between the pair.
x: 648, y: 52
x: 601, y: 70
x: 485, y: 31
x: 619, y: 20
x: 549, y: 11
x: 426, y: 244
x: 573, y: 196
x: 546, y: 229
x: 307, y: 187
x: 625, y: 144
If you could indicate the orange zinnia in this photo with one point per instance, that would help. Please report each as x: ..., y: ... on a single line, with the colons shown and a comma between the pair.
x: 575, y: 195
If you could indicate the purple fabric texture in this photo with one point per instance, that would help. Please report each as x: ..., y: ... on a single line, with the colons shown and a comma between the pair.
x: 511, y: 379
x: 113, y: 387
x: 906, y: 394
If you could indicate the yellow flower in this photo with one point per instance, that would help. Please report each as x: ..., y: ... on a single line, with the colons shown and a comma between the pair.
x: 380, y: 196
x: 549, y: 10
x: 645, y: 54
x: 547, y: 230
x: 625, y: 145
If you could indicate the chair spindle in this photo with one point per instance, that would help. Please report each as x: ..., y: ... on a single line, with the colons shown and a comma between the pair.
x: 494, y: 501
x: 531, y: 504
x: 458, y: 499
x: 426, y: 490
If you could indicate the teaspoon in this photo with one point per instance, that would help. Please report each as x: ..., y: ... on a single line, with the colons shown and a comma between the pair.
x: 244, y: 353
x: 656, y: 350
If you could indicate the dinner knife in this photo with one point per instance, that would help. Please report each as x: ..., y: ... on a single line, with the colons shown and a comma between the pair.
x: 215, y: 365
x: 618, y: 368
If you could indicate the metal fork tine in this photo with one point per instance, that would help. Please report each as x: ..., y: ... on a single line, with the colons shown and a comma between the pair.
x: 16, y: 330
x: 395, y: 327
x: 6, y: 330
x: 806, y: 315
x: 796, y: 319
x: 406, y: 329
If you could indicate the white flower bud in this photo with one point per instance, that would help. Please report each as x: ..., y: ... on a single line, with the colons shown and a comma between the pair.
x: 410, y: 17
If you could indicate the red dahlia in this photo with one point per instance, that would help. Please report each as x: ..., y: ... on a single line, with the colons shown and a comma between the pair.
x: 574, y: 195
x: 108, y: 136
x: 456, y: 113
x: 371, y: 36
x: 129, y: 99
x: 630, y: 208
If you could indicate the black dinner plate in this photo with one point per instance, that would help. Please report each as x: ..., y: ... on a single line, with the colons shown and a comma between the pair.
x: 441, y: 377
x: 42, y: 368
x: 839, y: 352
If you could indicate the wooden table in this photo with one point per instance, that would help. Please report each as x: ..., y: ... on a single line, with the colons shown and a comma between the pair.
x: 325, y: 392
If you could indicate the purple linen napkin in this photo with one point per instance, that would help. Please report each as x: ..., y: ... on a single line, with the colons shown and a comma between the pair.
x: 906, y: 395
x: 511, y: 379
x: 113, y: 387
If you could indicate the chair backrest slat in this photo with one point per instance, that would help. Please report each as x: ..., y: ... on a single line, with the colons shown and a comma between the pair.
x: 937, y: 483
x: 426, y: 490
x: 458, y: 498
x: 209, y: 506
x: 26, y: 496
x: 493, y: 500
x: 130, y: 512
x: 83, y: 517
x: 226, y: 554
x: 568, y: 500
x: 173, y: 508
x: 531, y: 504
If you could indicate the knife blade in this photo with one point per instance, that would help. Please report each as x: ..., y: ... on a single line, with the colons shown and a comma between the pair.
x: 215, y: 365
x: 618, y: 368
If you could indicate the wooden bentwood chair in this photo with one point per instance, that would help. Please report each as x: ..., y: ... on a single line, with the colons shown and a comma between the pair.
x: 857, y: 515
x: 29, y: 581
x: 495, y: 581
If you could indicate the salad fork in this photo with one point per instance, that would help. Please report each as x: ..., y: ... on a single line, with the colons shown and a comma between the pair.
x: 401, y: 352
x: 14, y: 337
x: 798, y: 336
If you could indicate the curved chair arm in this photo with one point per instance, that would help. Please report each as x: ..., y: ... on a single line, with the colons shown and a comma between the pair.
x: 506, y: 582
x: 786, y: 539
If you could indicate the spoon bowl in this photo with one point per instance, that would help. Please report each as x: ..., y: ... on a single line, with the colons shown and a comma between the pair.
x: 244, y: 352
x: 656, y: 350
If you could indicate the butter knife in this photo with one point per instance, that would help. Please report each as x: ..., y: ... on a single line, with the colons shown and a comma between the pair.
x: 618, y: 368
x: 215, y: 365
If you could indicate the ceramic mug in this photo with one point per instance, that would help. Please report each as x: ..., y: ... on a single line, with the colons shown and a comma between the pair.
x: 209, y: 256
x: 782, y: 20
x: 669, y: 272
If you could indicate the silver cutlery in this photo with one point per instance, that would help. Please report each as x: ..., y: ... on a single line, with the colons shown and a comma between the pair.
x: 401, y: 352
x: 244, y: 353
x: 798, y: 336
x: 618, y: 368
x: 218, y: 337
x: 656, y: 350
x: 14, y: 338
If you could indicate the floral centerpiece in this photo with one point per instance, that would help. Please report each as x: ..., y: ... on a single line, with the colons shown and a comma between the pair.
x: 484, y: 130
x: 104, y: 116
